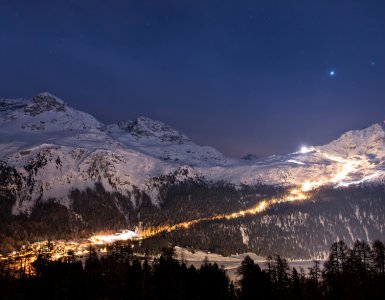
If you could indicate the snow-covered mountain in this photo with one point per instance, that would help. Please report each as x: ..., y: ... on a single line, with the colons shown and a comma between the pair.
x: 59, y: 149
x: 50, y: 152
x: 56, y: 148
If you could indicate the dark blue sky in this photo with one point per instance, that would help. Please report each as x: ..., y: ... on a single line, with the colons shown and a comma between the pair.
x: 242, y: 76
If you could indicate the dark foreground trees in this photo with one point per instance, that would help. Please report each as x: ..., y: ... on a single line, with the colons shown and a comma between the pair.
x: 117, y: 275
x: 349, y: 273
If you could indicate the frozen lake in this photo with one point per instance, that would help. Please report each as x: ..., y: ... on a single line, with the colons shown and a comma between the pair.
x: 231, y: 263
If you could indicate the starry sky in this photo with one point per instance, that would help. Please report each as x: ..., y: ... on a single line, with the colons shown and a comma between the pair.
x: 260, y: 77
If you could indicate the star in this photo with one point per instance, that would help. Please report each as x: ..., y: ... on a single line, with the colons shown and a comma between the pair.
x: 332, y: 73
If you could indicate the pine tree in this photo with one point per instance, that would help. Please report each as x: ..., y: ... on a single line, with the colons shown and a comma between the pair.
x: 378, y: 258
x: 250, y: 278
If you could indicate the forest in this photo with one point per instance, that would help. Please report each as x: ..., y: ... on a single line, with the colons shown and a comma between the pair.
x: 356, y: 272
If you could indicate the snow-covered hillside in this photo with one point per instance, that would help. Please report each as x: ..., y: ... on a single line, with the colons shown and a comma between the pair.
x: 55, y: 149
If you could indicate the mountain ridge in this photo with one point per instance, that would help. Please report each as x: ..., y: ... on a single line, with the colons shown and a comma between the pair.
x: 57, y: 163
x: 91, y: 151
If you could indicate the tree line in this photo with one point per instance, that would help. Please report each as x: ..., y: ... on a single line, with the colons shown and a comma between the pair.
x: 356, y: 272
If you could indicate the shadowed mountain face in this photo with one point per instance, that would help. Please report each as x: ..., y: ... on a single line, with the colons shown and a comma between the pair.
x: 65, y: 174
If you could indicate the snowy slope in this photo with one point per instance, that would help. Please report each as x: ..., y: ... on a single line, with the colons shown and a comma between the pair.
x: 54, y: 149
x: 369, y: 142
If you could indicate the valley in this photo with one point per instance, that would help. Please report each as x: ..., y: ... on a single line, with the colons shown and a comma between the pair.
x: 66, y: 176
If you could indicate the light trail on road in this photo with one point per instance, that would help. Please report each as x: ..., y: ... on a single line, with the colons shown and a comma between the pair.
x: 341, y: 177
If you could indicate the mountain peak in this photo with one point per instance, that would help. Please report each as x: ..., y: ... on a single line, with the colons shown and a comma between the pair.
x: 144, y: 127
x: 250, y: 157
x: 364, y: 141
x: 43, y: 112
x: 44, y: 102
x: 48, y: 95
x: 365, y: 134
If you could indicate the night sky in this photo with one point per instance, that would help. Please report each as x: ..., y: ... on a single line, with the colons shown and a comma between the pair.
x: 259, y: 77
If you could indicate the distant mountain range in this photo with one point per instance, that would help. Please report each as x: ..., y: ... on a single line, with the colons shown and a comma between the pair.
x: 65, y: 174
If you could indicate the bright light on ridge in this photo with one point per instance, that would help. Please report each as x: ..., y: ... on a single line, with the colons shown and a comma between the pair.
x: 305, y: 149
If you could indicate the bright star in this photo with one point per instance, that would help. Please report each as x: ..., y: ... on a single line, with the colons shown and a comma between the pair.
x: 332, y: 73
